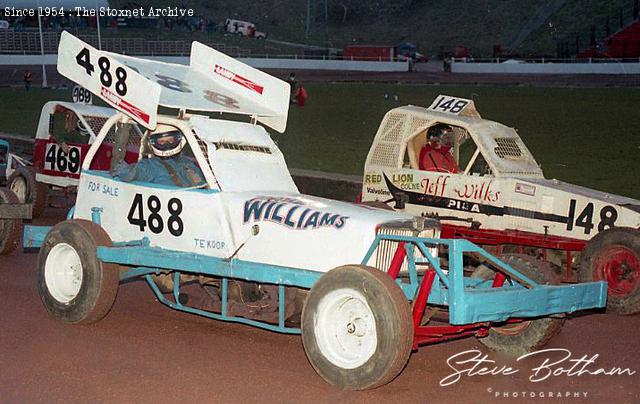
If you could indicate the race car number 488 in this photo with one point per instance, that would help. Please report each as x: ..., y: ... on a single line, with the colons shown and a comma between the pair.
x: 154, y: 220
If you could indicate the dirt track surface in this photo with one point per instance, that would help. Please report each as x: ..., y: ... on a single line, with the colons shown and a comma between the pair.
x: 12, y: 76
x: 145, y: 352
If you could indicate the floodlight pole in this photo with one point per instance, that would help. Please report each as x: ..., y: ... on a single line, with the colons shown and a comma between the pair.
x: 98, y: 26
x: 44, y: 70
x: 306, y: 34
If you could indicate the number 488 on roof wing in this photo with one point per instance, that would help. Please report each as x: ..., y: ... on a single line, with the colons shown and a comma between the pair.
x: 117, y: 84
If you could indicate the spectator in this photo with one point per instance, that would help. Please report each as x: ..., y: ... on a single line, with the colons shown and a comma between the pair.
x: 294, y: 86
x: 27, y: 78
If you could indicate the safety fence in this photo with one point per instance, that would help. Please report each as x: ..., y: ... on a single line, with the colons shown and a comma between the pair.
x: 547, y: 66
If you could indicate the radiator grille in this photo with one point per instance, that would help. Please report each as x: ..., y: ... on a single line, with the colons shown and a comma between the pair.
x: 387, y: 248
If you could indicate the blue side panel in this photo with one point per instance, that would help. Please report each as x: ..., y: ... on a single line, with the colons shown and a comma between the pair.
x: 152, y: 258
x: 33, y: 236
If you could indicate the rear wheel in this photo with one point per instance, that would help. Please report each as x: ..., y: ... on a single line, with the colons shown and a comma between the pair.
x: 614, y: 256
x: 357, y: 328
x: 521, y: 337
x: 23, y: 183
x: 10, y: 229
x: 74, y: 285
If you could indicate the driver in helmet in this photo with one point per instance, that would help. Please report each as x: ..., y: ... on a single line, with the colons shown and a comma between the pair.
x: 436, y: 153
x: 167, y: 165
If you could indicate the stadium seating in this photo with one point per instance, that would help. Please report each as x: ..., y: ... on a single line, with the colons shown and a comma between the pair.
x: 29, y: 43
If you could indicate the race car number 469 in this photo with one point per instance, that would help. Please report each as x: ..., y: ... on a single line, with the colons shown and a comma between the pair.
x: 57, y: 160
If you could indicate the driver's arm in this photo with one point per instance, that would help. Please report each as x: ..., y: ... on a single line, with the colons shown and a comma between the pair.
x: 134, y: 172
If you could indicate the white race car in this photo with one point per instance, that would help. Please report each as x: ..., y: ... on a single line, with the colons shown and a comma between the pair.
x: 254, y: 244
x: 497, y: 195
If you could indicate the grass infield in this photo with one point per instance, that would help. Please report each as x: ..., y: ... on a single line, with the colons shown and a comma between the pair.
x: 589, y: 137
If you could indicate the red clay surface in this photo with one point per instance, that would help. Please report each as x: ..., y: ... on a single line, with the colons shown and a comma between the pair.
x: 144, y: 352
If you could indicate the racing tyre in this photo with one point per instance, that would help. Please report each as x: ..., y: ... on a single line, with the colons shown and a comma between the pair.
x: 23, y: 183
x: 517, y: 339
x: 614, y: 256
x: 357, y: 328
x: 10, y: 229
x: 74, y: 285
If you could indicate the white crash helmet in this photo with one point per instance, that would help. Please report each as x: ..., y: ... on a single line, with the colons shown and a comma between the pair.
x: 166, y: 141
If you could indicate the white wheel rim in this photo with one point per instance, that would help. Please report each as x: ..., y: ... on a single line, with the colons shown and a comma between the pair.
x: 19, y: 187
x: 63, y: 272
x: 345, y: 328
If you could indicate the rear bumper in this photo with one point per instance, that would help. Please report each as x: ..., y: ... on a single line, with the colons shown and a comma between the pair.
x: 500, y: 304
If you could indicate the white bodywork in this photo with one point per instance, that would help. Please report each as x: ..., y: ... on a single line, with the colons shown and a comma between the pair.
x: 511, y: 195
x: 250, y: 210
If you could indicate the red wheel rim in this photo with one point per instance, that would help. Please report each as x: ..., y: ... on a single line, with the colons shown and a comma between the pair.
x: 620, y: 267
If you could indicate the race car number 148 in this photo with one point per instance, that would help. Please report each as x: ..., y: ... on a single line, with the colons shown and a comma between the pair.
x: 83, y: 59
x: 608, y: 217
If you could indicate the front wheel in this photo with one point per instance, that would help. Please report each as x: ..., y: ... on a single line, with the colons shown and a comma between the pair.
x: 614, y: 256
x: 23, y: 183
x: 519, y: 338
x: 357, y: 328
x: 74, y: 285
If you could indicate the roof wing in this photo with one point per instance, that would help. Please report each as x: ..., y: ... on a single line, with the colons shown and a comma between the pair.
x: 103, y: 75
x: 245, y: 82
x: 212, y: 82
x: 216, y: 82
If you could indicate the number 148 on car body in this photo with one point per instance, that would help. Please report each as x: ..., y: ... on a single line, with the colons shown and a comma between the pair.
x: 608, y: 216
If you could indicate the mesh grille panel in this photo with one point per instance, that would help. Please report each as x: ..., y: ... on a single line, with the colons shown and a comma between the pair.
x: 95, y: 123
x: 386, y: 154
x: 235, y: 146
x: 134, y: 135
x: 418, y: 124
x: 507, y: 148
x: 393, y: 128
